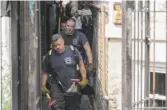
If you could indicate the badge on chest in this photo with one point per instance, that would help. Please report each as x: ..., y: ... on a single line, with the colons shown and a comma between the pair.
x: 75, y: 41
x: 68, y: 60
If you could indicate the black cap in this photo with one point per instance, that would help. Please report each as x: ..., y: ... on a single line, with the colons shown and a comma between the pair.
x: 57, y: 36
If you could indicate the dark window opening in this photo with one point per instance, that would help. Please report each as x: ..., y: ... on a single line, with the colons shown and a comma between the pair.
x: 159, y: 85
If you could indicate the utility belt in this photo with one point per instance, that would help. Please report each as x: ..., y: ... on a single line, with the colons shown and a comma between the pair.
x: 56, y: 80
x: 88, y: 90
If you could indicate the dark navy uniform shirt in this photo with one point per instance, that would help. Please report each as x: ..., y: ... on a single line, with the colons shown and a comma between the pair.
x: 78, y: 40
x: 63, y: 65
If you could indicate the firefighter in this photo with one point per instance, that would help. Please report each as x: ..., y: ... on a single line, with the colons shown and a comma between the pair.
x: 63, y: 22
x: 60, y: 63
x: 80, y: 41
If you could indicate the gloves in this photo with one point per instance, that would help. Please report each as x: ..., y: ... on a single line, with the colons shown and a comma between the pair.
x: 45, y: 90
x: 50, y: 101
x: 83, y: 83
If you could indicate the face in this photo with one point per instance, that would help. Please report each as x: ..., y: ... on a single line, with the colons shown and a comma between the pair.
x: 63, y: 26
x: 58, y: 45
x: 70, y: 27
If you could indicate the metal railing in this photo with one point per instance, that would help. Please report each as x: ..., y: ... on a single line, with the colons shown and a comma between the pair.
x: 144, y: 58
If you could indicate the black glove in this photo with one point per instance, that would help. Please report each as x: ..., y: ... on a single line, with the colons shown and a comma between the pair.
x: 45, y: 90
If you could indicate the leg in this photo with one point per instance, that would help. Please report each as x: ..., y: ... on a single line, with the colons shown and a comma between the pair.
x: 91, y: 99
x: 79, y: 102
x: 72, y: 101
x: 58, y: 96
x: 58, y: 106
x: 45, y: 103
x: 85, y: 103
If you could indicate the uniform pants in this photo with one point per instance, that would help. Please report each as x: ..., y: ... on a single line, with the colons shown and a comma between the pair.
x: 87, y: 100
x: 45, y: 103
x: 58, y: 95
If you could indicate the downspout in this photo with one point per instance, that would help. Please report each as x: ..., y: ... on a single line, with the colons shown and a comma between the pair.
x: 39, y: 56
x: 14, y: 54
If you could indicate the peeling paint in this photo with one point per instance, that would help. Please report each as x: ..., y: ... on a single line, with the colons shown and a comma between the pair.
x: 5, y: 66
x: 31, y: 7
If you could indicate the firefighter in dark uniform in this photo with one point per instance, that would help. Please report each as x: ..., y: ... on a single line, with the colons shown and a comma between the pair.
x: 61, y: 63
x: 80, y: 41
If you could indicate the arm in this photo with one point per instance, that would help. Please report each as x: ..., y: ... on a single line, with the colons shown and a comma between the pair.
x: 45, y: 71
x: 88, y: 52
x: 44, y: 78
x: 87, y: 48
x: 82, y: 70
x: 81, y: 66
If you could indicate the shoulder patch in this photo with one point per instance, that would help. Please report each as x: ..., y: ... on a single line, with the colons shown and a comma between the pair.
x: 50, y: 52
x: 72, y: 48
x: 50, y: 45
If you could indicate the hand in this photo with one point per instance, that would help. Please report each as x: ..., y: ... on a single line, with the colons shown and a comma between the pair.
x: 51, y: 102
x: 83, y: 82
x: 45, y: 90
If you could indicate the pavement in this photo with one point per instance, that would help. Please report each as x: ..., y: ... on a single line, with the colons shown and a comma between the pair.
x: 85, y: 103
